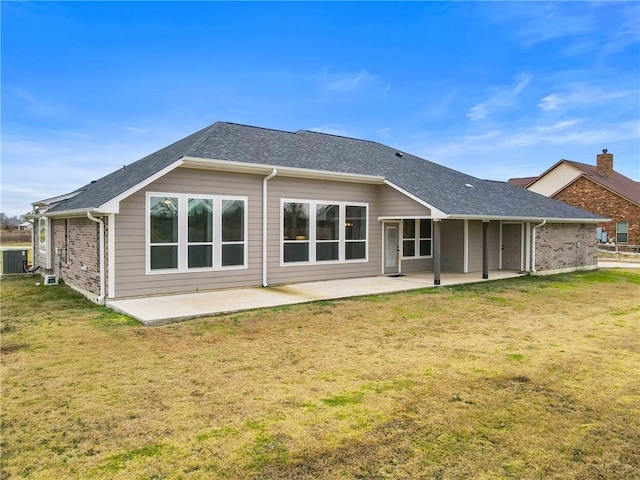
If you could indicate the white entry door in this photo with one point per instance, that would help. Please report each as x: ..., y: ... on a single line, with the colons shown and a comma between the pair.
x: 391, y: 248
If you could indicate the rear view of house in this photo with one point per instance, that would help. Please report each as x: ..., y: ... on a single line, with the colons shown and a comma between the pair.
x: 234, y: 206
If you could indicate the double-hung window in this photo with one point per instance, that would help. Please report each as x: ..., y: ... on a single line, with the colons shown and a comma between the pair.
x: 622, y: 232
x: 321, y: 231
x: 416, y: 238
x: 189, y: 232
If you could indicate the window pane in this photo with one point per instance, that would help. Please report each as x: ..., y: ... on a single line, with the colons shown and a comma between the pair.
x: 296, y: 221
x: 354, y: 250
x: 200, y: 256
x: 232, y: 255
x: 200, y: 220
x: 164, y: 220
x: 164, y: 257
x: 356, y: 223
x: 296, y: 252
x: 409, y: 229
x: 622, y: 227
x: 425, y: 228
x: 408, y: 248
x: 43, y: 234
x: 425, y: 248
x: 327, y: 251
x: 327, y: 222
x: 232, y: 221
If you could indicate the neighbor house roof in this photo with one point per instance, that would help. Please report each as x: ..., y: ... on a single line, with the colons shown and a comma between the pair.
x: 521, y: 182
x: 619, y: 184
x: 452, y: 192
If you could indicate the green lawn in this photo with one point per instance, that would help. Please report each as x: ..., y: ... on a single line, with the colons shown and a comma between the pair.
x: 530, y: 378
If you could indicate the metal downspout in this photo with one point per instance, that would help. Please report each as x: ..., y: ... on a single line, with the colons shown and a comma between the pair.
x: 533, y: 245
x: 99, y: 221
x: 274, y: 172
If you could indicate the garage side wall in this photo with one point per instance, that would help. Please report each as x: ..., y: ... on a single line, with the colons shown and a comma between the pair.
x: 564, y: 247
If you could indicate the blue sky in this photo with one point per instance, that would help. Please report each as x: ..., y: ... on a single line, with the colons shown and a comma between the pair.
x: 493, y: 89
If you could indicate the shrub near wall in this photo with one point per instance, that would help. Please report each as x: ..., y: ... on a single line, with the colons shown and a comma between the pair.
x: 566, y: 246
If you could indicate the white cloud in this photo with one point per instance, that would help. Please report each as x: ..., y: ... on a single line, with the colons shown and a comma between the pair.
x: 499, y: 98
x: 583, y: 95
x: 34, y: 169
x: 350, y: 81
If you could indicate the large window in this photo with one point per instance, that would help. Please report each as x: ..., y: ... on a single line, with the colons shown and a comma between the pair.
x: 416, y: 238
x: 315, y: 231
x: 622, y: 232
x: 195, y: 232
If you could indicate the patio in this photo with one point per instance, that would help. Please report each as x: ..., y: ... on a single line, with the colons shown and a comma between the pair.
x: 160, y: 310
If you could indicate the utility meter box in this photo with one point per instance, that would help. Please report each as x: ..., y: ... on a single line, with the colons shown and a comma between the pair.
x: 14, y: 260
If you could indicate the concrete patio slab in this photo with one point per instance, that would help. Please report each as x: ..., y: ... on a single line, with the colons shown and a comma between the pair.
x: 160, y: 310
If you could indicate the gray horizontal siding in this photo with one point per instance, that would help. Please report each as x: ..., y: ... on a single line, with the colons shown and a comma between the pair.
x: 452, y: 245
x: 130, y: 255
x: 130, y: 266
x: 307, y: 189
x: 397, y: 205
x: 417, y: 265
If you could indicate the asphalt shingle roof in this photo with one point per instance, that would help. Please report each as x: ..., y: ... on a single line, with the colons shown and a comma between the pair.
x: 442, y: 187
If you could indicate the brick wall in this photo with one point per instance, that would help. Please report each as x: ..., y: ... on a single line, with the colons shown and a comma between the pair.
x: 588, y: 195
x: 565, y: 246
x: 75, y: 249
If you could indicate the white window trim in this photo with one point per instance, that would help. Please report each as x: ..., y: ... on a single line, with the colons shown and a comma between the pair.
x: 46, y: 235
x: 342, y: 206
x: 183, y: 229
x: 416, y: 239
x: 45, y: 255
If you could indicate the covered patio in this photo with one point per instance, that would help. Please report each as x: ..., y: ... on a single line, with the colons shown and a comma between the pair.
x: 160, y: 310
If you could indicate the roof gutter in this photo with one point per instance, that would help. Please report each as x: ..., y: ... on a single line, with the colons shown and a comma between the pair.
x: 533, y: 246
x: 273, y: 173
x: 99, y: 221
x: 527, y: 219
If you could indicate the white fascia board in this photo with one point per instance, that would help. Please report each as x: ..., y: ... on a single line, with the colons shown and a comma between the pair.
x: 529, y: 219
x: 259, y: 168
x: 113, y: 205
x: 75, y: 213
x: 385, y: 218
x: 435, y: 212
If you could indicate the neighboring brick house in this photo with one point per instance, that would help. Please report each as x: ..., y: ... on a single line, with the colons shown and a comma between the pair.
x: 596, y: 188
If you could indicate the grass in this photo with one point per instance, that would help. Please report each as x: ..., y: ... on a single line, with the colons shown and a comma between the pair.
x: 528, y: 378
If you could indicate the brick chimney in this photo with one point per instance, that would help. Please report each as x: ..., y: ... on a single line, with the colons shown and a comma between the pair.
x: 604, y: 164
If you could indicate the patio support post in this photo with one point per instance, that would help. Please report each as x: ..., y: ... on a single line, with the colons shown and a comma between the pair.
x: 436, y: 251
x: 485, y: 262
